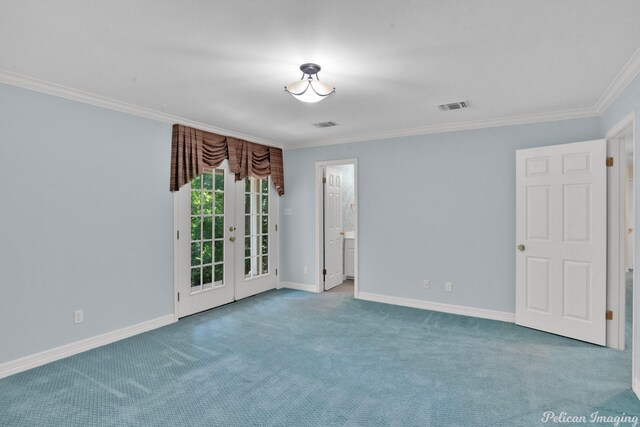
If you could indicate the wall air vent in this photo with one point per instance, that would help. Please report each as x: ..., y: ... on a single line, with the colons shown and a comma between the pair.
x: 453, y: 106
x: 325, y: 124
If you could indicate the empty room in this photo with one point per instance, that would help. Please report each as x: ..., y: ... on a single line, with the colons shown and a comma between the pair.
x: 339, y: 213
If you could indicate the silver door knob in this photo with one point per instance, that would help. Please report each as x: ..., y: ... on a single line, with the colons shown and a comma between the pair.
x: 232, y: 239
x: 521, y: 247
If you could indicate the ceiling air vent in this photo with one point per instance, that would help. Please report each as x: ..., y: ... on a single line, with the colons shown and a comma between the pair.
x: 453, y: 106
x: 325, y: 124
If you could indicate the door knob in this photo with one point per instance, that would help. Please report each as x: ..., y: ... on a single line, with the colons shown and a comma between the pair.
x: 521, y: 247
x: 232, y: 239
x: 232, y: 229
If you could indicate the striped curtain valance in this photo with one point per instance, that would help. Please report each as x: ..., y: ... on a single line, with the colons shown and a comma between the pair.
x: 194, y: 151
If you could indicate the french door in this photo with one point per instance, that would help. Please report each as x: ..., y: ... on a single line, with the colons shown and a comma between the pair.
x: 226, y: 240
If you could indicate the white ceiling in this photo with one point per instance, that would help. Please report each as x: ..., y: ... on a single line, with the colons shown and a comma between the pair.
x: 225, y: 63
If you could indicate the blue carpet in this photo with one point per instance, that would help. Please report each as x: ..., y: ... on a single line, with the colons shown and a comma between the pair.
x: 290, y: 358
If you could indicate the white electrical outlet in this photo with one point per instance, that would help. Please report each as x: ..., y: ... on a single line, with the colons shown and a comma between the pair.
x: 448, y: 287
x: 426, y: 284
x: 306, y: 270
x: 78, y: 316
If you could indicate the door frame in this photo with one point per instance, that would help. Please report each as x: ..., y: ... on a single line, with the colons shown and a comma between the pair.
x: 616, y: 256
x: 275, y: 208
x: 319, y: 223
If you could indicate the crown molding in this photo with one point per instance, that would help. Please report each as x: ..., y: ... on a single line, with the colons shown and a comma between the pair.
x: 457, y: 126
x: 42, y: 86
x: 629, y: 72
x: 619, y: 84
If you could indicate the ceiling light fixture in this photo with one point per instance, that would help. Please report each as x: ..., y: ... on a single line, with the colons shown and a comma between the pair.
x: 309, y: 90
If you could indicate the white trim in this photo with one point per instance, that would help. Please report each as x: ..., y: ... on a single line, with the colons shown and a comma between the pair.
x: 298, y: 286
x: 630, y: 121
x: 482, y: 313
x: 319, y: 212
x: 616, y: 241
x: 176, y: 252
x: 48, y: 356
x: 42, y: 86
x: 458, y: 126
x: 622, y: 126
x: 620, y: 83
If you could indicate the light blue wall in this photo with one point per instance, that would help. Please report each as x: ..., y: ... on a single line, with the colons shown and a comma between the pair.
x: 438, y: 207
x: 626, y: 103
x: 86, y: 221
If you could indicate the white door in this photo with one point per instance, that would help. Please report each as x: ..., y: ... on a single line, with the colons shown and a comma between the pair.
x: 227, y: 245
x: 332, y: 227
x: 561, y: 226
x: 206, y: 217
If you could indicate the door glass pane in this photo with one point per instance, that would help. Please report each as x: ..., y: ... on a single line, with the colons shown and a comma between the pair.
x: 207, y: 181
x: 196, y: 183
x: 195, y: 253
x: 207, y: 224
x: 207, y: 252
x: 207, y: 203
x: 219, y: 234
x: 195, y: 202
x: 207, y: 275
x: 256, y: 227
x: 195, y: 227
x: 218, y: 270
x: 219, y: 202
x: 219, y: 251
x: 247, y: 247
x: 195, y: 277
x: 219, y: 180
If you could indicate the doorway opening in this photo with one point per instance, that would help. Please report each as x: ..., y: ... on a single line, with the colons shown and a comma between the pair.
x: 337, y: 226
x: 226, y: 241
x: 622, y: 289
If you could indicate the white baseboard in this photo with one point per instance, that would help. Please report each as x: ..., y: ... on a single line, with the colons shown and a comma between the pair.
x: 48, y: 356
x: 636, y: 387
x: 437, y: 306
x: 299, y: 286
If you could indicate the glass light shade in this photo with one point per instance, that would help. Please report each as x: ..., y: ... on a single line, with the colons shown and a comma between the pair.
x: 309, y: 90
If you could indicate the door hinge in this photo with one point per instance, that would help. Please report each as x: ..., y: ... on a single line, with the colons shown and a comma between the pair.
x: 609, y: 315
x: 276, y: 227
x: 178, y: 235
x: 178, y: 296
x: 609, y: 162
x: 276, y: 271
x: 324, y: 271
x: 324, y: 179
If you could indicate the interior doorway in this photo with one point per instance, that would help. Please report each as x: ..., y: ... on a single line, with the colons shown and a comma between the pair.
x: 336, y: 222
x: 623, y: 290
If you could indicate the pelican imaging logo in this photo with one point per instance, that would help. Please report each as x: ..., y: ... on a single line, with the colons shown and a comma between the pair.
x: 593, y: 418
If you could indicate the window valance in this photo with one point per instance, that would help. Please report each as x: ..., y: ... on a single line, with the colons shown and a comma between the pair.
x: 194, y: 151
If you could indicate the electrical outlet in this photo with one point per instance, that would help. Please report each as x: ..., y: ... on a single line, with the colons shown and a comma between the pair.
x: 426, y: 284
x: 78, y: 316
x: 448, y: 287
x: 306, y: 270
